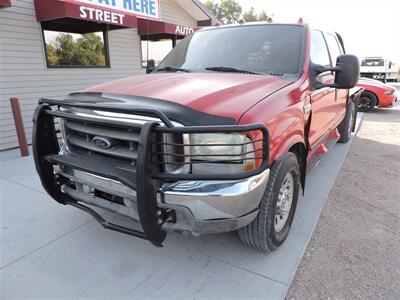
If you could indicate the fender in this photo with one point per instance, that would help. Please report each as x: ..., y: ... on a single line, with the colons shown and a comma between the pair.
x: 288, y: 143
x: 286, y: 146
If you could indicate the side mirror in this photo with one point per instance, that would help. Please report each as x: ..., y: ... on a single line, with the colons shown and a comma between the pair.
x: 347, y: 72
x: 151, y: 65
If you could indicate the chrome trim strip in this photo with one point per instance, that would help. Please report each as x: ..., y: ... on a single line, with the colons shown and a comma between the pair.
x: 111, y: 116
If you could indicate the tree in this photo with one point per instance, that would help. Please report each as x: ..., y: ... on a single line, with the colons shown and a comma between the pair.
x: 87, y: 50
x: 227, y: 11
x: 65, y: 49
x: 250, y: 16
x: 52, y: 56
x: 262, y: 16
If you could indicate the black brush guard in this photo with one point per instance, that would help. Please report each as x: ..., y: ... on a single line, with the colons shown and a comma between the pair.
x: 144, y: 180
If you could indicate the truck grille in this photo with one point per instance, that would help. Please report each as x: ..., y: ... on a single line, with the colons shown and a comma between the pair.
x: 86, y: 134
x: 81, y: 137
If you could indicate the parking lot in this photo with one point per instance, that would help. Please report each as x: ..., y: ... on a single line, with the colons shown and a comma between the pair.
x: 357, y: 238
x: 48, y: 250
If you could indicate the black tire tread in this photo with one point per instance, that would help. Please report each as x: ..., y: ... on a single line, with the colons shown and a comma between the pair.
x: 255, y: 234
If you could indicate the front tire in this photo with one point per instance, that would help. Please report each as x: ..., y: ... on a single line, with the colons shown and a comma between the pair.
x: 278, y: 204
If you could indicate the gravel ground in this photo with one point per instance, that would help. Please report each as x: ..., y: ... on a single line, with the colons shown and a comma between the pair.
x: 354, y: 252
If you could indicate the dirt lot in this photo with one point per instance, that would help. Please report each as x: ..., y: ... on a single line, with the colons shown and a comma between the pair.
x: 354, y: 252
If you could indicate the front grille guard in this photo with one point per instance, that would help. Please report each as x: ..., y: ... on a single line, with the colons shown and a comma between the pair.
x: 144, y: 179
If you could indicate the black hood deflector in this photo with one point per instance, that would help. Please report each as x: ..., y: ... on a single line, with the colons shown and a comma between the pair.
x: 142, y: 105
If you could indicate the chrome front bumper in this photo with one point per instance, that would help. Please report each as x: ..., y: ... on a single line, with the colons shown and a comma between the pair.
x: 201, y: 207
x: 215, y: 206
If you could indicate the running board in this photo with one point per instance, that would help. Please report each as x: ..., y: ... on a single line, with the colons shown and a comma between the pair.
x: 331, y: 140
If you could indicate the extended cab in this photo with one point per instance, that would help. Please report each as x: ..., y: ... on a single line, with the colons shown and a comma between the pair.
x: 217, y: 138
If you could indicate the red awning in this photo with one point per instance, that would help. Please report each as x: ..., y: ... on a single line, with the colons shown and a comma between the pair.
x: 47, y: 10
x: 75, y: 16
x: 151, y: 27
x: 5, y: 3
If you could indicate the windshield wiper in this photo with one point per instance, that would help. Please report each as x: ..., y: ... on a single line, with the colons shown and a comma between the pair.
x: 233, y: 70
x: 173, y: 69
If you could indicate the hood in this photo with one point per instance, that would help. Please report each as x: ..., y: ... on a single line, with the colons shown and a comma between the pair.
x: 222, y: 94
x: 367, y: 82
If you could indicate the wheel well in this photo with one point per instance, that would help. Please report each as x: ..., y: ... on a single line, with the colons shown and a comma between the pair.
x: 301, y: 153
x: 377, y: 98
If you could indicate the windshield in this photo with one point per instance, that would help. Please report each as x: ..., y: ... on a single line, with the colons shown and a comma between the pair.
x: 372, y: 63
x: 265, y: 49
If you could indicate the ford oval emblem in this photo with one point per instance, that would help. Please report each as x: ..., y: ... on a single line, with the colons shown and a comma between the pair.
x: 102, y: 142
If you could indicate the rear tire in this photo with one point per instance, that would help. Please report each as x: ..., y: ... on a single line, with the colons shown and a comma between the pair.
x: 278, y: 204
x: 367, y: 102
x: 346, y: 127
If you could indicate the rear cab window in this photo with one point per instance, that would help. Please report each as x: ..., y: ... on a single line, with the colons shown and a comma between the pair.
x: 334, y: 48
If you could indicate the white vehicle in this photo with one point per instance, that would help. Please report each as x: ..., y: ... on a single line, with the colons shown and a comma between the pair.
x: 392, y: 71
x: 378, y: 68
x: 374, y: 68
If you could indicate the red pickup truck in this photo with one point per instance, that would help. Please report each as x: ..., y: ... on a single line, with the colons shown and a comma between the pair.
x: 217, y: 138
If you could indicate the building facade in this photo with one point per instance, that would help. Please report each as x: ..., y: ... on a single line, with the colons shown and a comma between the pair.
x: 45, y: 49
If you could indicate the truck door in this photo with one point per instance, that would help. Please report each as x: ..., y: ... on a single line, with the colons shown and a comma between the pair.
x: 323, y: 114
x: 339, y: 103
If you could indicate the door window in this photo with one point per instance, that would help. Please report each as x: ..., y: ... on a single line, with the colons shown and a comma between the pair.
x: 319, y: 52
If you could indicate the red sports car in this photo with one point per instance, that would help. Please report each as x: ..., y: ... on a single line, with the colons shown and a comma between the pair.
x: 375, y: 93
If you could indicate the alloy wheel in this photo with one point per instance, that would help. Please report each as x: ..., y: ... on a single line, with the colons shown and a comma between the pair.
x: 284, y: 202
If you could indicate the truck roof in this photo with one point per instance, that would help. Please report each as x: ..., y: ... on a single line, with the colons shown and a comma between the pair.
x: 263, y: 23
x: 252, y: 24
x: 373, y: 57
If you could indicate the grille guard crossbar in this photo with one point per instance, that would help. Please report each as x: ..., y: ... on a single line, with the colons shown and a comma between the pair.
x: 46, y: 154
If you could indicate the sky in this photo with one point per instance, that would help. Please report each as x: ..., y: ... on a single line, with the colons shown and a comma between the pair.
x: 368, y: 27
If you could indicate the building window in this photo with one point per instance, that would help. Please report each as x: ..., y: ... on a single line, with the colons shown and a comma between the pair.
x: 156, y: 49
x: 75, y: 50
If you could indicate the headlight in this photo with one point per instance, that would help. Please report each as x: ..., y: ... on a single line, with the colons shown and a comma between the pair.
x: 214, y: 146
x: 221, y: 152
x: 389, y: 92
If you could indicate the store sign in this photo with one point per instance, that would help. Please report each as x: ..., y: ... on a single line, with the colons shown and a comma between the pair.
x: 114, y: 10
x: 102, y: 16
x: 183, y: 30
